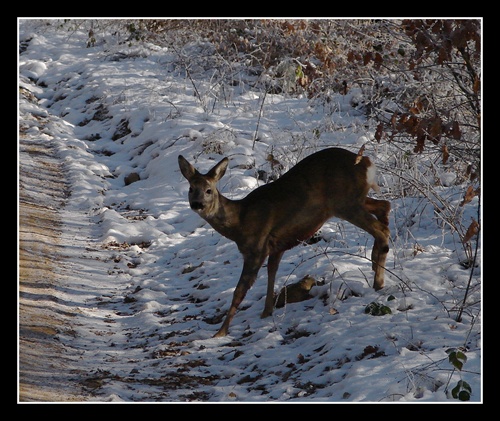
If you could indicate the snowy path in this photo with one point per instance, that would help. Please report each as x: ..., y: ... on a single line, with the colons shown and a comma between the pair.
x: 67, y: 321
x: 45, y: 370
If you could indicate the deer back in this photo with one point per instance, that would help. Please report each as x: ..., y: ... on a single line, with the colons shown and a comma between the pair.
x: 288, y: 210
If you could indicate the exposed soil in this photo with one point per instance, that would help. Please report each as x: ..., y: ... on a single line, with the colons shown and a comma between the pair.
x: 44, y: 370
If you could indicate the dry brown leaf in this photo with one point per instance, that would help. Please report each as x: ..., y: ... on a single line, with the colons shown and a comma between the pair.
x: 378, y: 132
x: 455, y: 131
x: 471, y: 231
x: 469, y: 195
x: 417, y: 248
x: 446, y: 154
x: 477, y: 85
x: 436, y: 128
x: 394, y: 120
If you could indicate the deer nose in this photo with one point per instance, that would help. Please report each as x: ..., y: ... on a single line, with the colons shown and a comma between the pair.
x: 197, y: 206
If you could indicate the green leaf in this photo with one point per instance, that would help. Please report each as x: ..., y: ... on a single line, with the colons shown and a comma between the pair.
x: 456, y: 358
x: 461, y: 356
x: 377, y: 309
x: 462, y: 391
x: 464, y: 395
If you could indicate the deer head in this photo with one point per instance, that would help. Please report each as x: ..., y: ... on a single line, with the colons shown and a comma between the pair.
x: 203, y: 194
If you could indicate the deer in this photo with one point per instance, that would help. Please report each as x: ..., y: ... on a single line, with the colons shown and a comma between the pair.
x: 279, y: 215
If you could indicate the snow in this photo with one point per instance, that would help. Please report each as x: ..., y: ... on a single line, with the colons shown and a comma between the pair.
x: 152, y: 278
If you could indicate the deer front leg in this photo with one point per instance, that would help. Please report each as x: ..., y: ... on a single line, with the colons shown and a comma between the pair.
x: 374, y: 257
x: 272, y: 267
x: 251, y: 268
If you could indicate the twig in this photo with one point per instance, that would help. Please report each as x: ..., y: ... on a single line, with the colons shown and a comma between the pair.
x: 459, y: 315
x: 258, y: 120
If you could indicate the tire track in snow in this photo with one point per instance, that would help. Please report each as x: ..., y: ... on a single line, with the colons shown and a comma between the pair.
x: 45, y: 369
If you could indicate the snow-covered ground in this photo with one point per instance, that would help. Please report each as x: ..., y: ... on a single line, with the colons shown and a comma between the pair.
x: 152, y: 280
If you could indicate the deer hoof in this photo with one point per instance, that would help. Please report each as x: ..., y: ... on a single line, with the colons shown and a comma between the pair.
x: 221, y: 333
x: 265, y: 314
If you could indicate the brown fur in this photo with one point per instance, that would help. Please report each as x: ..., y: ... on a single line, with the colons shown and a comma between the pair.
x: 277, y: 216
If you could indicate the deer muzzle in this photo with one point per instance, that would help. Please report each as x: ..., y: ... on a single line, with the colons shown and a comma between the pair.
x: 197, y: 206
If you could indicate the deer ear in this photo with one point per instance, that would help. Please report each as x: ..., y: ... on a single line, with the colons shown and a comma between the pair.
x: 219, y: 170
x: 187, y: 170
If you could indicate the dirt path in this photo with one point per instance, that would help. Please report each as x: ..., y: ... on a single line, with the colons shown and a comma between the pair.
x: 45, y: 368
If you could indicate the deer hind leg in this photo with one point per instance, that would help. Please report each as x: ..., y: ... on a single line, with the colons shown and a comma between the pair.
x: 380, y: 232
x: 248, y: 276
x: 381, y: 209
x: 272, y: 267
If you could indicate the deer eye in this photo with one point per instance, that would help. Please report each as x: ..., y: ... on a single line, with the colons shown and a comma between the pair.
x: 209, y: 191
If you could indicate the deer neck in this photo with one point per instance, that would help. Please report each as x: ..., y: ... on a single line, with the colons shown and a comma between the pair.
x: 225, y: 217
